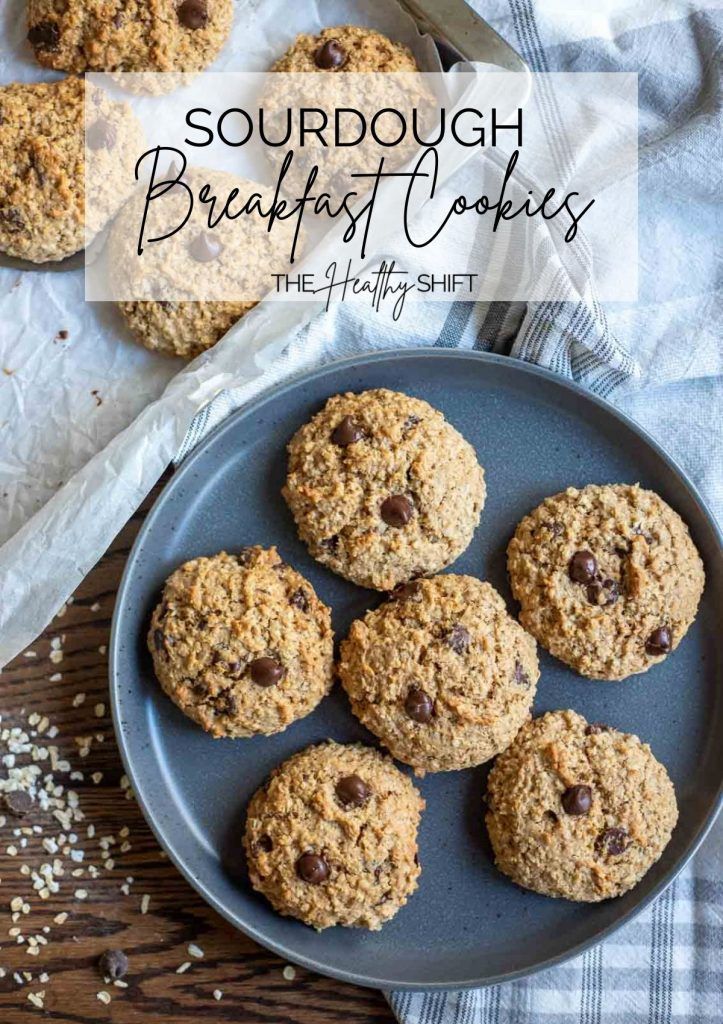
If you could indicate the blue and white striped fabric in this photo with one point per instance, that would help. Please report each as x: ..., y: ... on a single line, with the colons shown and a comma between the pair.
x: 661, y: 360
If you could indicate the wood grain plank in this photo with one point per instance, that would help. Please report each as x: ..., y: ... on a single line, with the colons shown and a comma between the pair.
x: 254, y: 986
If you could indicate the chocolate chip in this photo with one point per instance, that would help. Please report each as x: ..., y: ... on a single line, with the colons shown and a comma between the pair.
x: 205, y: 248
x: 299, y: 600
x: 603, y: 592
x: 101, y: 135
x: 113, y: 964
x: 158, y: 640
x: 331, y: 543
x: 404, y: 591
x: 458, y: 639
x: 265, y: 844
x: 346, y: 432
x: 582, y: 567
x: 19, y: 803
x: 411, y: 421
x: 612, y: 842
x: 331, y: 55
x: 245, y: 556
x: 659, y: 642
x: 266, y: 671
x: 45, y: 35
x: 396, y: 511
x: 419, y: 705
x: 555, y: 528
x: 118, y: 20
x: 193, y: 14
x: 577, y: 800
x: 521, y: 677
x: 595, y: 728
x: 312, y: 868
x: 352, y: 791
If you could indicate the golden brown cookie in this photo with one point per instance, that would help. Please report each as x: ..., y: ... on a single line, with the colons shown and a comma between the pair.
x: 42, y: 166
x: 440, y: 673
x: 391, y: 89
x: 332, y: 837
x: 607, y: 577
x: 241, y: 643
x: 128, y: 35
x: 346, y: 48
x: 231, y: 266
x: 382, y: 488
x: 182, y: 329
x: 578, y: 811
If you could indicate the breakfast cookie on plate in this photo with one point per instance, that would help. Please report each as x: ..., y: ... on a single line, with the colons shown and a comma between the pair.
x: 128, y: 35
x: 440, y: 673
x: 383, y: 488
x: 241, y: 643
x: 331, y: 838
x: 607, y: 577
x: 42, y: 165
x: 578, y: 811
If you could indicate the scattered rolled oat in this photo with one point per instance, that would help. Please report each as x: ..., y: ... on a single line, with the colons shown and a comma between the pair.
x: 217, y: 995
x: 183, y: 967
x: 195, y: 951
x: 289, y: 973
x: 103, y: 997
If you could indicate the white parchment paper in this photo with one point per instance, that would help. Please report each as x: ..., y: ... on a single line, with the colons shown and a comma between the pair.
x: 88, y: 419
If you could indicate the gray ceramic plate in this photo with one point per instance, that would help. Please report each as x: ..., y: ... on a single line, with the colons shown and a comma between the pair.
x: 466, y: 925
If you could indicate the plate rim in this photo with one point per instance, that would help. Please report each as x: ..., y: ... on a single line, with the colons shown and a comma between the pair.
x: 360, y: 360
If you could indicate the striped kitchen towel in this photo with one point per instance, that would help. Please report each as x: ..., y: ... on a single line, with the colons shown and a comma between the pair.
x: 660, y: 360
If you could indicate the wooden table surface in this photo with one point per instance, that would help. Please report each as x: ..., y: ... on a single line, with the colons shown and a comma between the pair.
x: 46, y: 682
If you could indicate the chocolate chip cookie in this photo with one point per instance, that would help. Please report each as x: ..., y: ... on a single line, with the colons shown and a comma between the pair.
x: 182, y: 329
x: 440, y: 673
x: 578, y: 811
x: 128, y: 35
x: 332, y: 837
x: 231, y: 265
x: 241, y: 643
x: 346, y: 48
x: 330, y: 63
x: 607, y: 577
x: 382, y: 488
x: 43, y: 163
